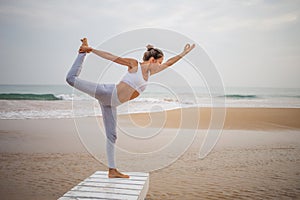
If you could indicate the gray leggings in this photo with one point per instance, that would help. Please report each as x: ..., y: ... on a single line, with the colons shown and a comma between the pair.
x: 106, y: 94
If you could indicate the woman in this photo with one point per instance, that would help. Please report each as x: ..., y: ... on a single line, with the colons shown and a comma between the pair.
x: 112, y: 95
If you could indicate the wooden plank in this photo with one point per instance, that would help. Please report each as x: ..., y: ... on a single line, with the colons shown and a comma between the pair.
x: 128, y: 173
x: 115, y: 180
x: 99, y: 195
x: 99, y: 186
x: 135, y: 178
x: 111, y: 185
x: 106, y: 190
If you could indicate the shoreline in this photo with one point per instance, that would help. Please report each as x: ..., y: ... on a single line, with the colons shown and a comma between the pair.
x: 237, y: 118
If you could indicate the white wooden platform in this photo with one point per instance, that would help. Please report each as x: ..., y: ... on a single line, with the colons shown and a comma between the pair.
x: 99, y: 186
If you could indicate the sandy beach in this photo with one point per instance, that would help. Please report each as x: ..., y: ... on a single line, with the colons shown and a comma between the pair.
x: 257, y: 156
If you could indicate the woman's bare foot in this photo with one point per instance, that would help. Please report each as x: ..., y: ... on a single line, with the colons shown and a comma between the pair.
x: 84, y: 46
x: 114, y: 173
x: 84, y: 42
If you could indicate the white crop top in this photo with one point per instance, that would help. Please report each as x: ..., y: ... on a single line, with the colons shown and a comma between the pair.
x: 136, y: 79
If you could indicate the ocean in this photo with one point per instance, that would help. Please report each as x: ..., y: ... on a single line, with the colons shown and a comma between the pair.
x: 62, y: 101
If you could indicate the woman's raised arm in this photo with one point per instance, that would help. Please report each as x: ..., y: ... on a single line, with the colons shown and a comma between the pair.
x: 174, y: 59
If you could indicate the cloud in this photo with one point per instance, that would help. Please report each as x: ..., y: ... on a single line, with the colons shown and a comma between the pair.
x: 211, y: 16
x: 234, y: 23
x: 249, y: 27
x: 38, y: 14
x: 276, y: 21
x: 233, y: 16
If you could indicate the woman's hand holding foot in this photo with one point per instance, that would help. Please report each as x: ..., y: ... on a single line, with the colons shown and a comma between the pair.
x: 84, y: 48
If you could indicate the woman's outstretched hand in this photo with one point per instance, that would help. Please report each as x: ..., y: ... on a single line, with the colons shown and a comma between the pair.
x: 188, y: 48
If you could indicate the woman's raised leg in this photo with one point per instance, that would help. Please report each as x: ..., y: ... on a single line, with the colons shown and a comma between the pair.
x: 73, y: 80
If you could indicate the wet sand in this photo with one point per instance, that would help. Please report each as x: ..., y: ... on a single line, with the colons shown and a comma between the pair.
x: 257, y: 156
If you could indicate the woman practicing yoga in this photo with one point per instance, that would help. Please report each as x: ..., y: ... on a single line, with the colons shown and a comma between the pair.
x: 112, y: 95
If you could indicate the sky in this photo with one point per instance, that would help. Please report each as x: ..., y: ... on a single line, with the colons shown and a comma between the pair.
x: 253, y: 43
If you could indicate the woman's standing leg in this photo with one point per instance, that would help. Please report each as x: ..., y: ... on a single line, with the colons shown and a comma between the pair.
x: 109, y: 114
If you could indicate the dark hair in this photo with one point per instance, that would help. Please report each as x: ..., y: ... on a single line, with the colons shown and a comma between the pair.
x: 152, y: 52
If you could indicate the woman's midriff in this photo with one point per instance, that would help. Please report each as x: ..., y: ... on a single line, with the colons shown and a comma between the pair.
x: 126, y: 92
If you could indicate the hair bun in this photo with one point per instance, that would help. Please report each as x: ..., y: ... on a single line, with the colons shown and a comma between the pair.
x: 149, y: 47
